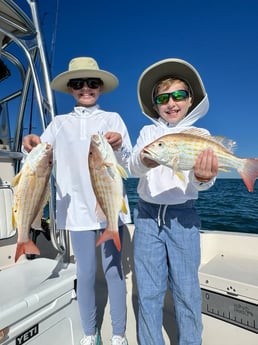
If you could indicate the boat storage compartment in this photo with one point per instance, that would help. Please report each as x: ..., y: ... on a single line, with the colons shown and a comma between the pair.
x: 38, y: 304
x: 229, y: 286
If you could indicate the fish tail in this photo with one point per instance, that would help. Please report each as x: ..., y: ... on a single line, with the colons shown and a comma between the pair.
x: 249, y: 173
x: 110, y: 235
x: 28, y: 247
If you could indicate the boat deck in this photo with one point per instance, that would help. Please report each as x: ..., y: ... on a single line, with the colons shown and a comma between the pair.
x: 44, y: 290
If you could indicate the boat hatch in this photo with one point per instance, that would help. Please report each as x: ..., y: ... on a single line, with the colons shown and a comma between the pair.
x: 230, y: 290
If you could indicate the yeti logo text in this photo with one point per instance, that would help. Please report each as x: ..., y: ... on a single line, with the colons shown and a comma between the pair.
x: 27, y: 335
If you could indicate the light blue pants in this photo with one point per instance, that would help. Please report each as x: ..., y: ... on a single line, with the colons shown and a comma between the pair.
x: 84, y: 247
x: 167, y: 253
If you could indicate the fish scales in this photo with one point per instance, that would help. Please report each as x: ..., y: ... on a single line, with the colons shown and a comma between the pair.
x: 30, y: 187
x: 106, y: 178
x: 104, y: 187
x: 180, y: 150
x: 191, y: 147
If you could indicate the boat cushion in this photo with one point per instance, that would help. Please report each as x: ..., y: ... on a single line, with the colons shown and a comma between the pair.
x: 6, y: 199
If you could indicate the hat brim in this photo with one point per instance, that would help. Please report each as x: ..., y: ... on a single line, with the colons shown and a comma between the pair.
x: 168, y: 68
x: 110, y: 81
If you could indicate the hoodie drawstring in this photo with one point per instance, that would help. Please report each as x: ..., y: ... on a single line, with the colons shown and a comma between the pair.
x: 159, y: 219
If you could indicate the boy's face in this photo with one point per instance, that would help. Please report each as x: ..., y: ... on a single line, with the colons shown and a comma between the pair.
x: 174, y: 110
x: 86, y: 96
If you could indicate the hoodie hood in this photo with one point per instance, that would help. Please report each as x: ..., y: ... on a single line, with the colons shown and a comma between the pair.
x: 197, y: 113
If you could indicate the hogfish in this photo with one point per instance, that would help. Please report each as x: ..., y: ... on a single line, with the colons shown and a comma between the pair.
x: 106, y: 178
x: 31, y: 192
x: 180, y: 150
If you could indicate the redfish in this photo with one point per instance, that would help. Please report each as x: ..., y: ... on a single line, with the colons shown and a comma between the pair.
x: 180, y: 150
x: 106, y: 178
x: 31, y: 193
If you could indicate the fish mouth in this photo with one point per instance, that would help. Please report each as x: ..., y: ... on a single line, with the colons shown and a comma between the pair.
x: 98, y: 139
x: 147, y: 153
x: 150, y: 154
x: 95, y: 138
x: 101, y: 144
x: 49, y: 147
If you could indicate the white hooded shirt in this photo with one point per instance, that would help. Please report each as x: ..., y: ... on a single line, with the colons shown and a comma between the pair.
x: 161, y: 185
x: 70, y: 136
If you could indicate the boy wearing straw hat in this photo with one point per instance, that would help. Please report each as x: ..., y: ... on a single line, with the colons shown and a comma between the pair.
x: 166, y: 238
x: 70, y: 135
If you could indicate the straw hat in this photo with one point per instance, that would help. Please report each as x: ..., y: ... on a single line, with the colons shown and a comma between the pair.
x: 168, y: 68
x: 84, y: 67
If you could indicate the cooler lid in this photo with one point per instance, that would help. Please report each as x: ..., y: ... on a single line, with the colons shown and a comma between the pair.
x: 32, y: 284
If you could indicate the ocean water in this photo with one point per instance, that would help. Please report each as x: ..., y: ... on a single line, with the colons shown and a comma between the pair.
x: 227, y: 206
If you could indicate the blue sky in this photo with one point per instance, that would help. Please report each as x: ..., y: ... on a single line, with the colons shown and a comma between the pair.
x: 219, y: 38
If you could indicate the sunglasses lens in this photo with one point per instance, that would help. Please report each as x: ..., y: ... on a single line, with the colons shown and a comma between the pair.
x: 78, y: 84
x: 177, y: 95
x: 93, y: 83
x: 162, y: 99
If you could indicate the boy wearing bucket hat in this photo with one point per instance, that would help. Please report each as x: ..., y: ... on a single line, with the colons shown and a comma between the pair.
x: 166, y: 238
x: 70, y: 135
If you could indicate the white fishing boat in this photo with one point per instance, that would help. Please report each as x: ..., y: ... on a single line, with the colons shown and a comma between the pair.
x: 38, y: 293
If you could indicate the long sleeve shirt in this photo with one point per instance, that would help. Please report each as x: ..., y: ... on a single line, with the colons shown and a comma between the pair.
x: 161, y: 185
x: 70, y: 136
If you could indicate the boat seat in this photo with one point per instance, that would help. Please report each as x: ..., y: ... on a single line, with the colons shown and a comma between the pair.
x: 6, y: 200
x: 7, y: 162
x: 8, y: 235
x: 7, y: 173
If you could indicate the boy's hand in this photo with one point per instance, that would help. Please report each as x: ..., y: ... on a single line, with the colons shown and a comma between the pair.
x: 206, y: 166
x: 114, y: 139
x: 30, y: 141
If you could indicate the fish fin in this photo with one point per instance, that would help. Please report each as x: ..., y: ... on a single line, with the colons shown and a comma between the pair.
x: 124, y: 208
x: 108, y: 164
x: 110, y: 235
x: 249, y: 173
x: 109, y: 167
x: 196, y: 131
x: 174, y: 160
x: 224, y: 169
x: 180, y: 175
x: 28, y: 247
x: 228, y: 144
x: 122, y: 171
x: 16, y: 179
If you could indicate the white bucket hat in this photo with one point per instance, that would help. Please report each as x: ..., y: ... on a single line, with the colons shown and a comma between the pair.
x: 84, y: 67
x: 168, y: 68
